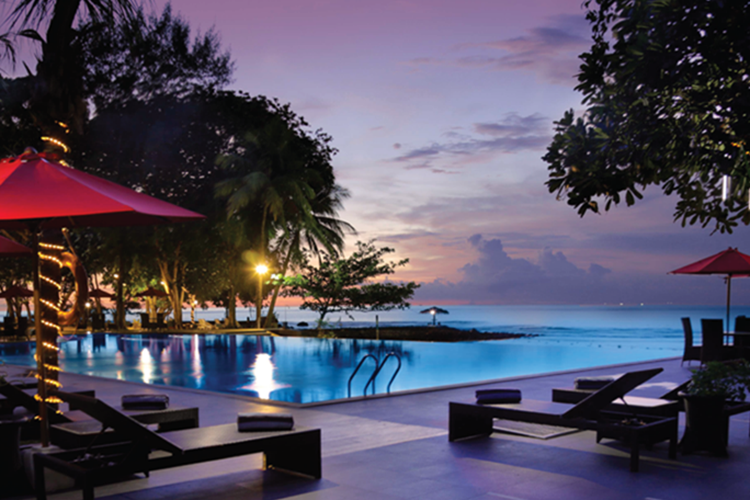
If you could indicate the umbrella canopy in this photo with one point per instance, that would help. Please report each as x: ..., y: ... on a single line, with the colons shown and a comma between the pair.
x: 434, y: 310
x: 98, y: 293
x: 9, y: 248
x: 36, y: 188
x: 16, y: 291
x: 152, y: 292
x: 38, y: 192
x: 730, y: 262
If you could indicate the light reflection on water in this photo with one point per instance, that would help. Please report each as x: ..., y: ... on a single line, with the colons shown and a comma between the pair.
x: 306, y: 370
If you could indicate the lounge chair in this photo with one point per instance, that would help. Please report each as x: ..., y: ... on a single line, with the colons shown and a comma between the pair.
x: 667, y: 405
x: 471, y: 420
x: 296, y: 451
x: 691, y: 352
x: 72, y: 429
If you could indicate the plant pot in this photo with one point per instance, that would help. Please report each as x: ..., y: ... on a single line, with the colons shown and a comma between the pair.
x: 706, y: 425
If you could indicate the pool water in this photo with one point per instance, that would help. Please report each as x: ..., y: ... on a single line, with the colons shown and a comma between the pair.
x: 309, y: 370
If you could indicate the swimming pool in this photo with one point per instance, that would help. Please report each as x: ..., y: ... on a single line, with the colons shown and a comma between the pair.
x: 309, y: 370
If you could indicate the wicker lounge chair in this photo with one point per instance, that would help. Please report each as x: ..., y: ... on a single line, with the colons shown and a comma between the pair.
x: 471, y: 420
x: 296, y: 451
x: 691, y: 352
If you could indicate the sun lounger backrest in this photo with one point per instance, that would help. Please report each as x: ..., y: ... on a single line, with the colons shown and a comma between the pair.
x: 597, y: 401
x: 118, y: 421
x: 20, y: 398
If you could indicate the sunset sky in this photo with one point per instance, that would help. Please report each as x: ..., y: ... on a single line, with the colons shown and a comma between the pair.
x: 441, y: 111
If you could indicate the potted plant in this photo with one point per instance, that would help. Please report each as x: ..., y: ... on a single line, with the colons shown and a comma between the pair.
x: 712, y: 387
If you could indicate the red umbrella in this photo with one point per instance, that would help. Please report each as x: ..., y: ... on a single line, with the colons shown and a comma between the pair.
x: 39, y: 192
x: 730, y: 262
x: 98, y: 293
x: 37, y: 189
x: 9, y: 248
x: 16, y: 291
x: 152, y: 292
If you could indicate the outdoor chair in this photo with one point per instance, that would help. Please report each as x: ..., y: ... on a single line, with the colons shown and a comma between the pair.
x: 742, y: 342
x: 667, y: 405
x: 146, y: 322
x: 160, y: 323
x: 691, y: 352
x: 72, y: 429
x: 713, y: 348
x: 9, y: 326
x: 471, y: 420
x: 97, y: 321
x: 296, y: 451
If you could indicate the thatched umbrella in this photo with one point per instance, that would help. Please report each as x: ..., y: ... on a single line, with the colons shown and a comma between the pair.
x: 434, y: 310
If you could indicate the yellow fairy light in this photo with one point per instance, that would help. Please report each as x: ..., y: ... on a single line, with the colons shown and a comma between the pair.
x: 54, y: 400
x: 51, y: 325
x: 53, y: 383
x: 50, y: 346
x: 52, y: 246
x: 51, y: 281
x: 49, y: 304
x: 50, y: 257
x: 53, y: 368
x: 56, y: 142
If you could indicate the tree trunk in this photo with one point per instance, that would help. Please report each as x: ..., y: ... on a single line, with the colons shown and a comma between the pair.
x: 269, y: 316
x: 232, y: 308
x: 173, y: 280
x: 262, y: 254
x: 120, y: 323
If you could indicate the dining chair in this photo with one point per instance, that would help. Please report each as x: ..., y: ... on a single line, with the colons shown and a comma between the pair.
x: 691, y: 352
x: 713, y: 341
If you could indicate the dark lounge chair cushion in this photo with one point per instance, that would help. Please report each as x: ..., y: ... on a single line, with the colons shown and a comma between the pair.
x: 145, y: 402
x: 498, y: 396
x: 248, y: 422
x: 592, y: 383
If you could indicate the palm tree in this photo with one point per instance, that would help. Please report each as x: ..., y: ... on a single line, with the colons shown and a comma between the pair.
x: 281, y: 181
x: 319, y: 228
x: 58, y: 100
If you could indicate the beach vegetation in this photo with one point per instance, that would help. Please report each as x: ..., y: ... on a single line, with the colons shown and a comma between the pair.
x: 667, y: 104
x: 344, y: 284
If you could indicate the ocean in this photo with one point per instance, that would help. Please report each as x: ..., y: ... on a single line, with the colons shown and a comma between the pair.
x: 657, y: 326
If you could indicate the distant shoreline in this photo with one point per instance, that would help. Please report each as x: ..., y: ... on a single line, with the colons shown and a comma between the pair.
x: 418, y: 333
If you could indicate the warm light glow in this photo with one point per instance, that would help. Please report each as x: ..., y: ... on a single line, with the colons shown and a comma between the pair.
x: 51, y: 246
x: 56, y: 142
x: 147, y: 365
x: 262, y: 371
x: 261, y: 269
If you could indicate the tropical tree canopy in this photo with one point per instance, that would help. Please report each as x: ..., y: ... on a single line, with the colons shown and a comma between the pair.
x: 343, y: 284
x: 668, y: 103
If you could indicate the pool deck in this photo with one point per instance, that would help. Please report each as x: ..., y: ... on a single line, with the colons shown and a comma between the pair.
x: 397, y: 447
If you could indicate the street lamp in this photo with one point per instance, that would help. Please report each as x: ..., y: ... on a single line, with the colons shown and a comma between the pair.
x: 261, y: 269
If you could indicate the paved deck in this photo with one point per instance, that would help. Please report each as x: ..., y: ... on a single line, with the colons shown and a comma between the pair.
x: 397, y: 448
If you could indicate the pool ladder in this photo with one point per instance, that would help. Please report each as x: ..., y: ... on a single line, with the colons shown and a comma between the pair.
x: 378, y: 366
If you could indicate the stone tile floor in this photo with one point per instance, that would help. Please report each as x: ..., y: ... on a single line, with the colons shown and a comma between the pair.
x: 397, y: 448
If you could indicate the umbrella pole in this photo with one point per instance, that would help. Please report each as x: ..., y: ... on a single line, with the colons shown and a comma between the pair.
x: 729, y: 292
x: 42, y: 384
